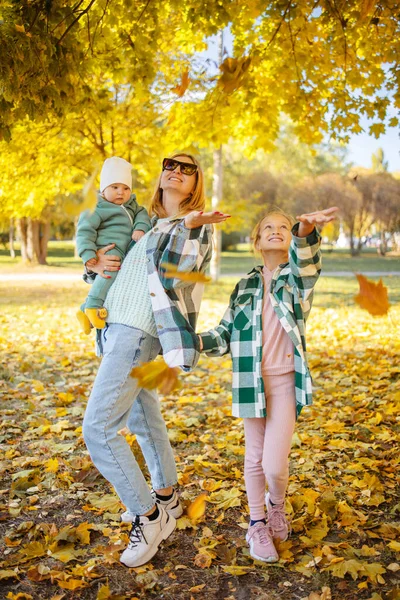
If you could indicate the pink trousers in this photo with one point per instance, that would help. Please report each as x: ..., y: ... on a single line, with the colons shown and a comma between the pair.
x: 268, y: 441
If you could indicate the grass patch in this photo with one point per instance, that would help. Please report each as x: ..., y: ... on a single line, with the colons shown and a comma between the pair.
x: 61, y: 255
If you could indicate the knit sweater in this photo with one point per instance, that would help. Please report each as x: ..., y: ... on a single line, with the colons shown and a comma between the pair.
x: 128, y: 301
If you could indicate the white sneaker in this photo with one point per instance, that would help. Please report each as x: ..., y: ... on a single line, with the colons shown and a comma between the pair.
x: 145, y: 538
x: 172, y: 506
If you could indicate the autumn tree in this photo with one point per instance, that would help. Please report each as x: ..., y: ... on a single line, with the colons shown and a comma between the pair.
x: 386, y: 196
x: 78, y: 67
x: 46, y: 164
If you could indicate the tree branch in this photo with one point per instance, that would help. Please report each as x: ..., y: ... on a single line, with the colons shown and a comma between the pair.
x: 83, y: 12
x: 280, y: 24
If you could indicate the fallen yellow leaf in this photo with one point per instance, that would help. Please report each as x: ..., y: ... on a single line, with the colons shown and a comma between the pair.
x: 197, y: 508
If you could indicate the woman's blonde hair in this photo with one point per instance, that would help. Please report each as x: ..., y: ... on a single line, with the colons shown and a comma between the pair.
x: 256, y: 233
x: 196, y: 199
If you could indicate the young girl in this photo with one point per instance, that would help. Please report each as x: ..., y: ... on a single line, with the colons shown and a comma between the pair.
x: 148, y: 314
x: 264, y: 329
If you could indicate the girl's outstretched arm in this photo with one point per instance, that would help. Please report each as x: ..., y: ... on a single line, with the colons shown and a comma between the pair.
x: 305, y: 254
x: 308, y: 221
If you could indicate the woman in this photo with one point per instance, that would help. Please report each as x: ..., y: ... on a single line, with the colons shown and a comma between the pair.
x: 148, y: 314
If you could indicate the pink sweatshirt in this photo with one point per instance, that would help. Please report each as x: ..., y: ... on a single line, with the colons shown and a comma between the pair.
x: 277, y: 347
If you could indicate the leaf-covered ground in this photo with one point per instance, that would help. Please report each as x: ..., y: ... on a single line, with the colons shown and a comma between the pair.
x: 60, y: 528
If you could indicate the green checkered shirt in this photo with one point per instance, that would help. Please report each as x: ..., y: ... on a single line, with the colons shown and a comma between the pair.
x: 240, y: 330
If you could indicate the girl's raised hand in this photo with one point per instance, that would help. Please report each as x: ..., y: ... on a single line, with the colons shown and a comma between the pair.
x: 319, y: 216
x: 199, y: 218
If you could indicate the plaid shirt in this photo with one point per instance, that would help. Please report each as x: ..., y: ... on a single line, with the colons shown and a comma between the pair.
x: 175, y: 303
x: 240, y: 330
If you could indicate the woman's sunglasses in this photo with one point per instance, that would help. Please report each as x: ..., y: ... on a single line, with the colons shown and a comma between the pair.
x: 170, y: 164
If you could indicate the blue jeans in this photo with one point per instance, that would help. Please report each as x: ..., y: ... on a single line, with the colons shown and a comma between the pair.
x: 117, y: 401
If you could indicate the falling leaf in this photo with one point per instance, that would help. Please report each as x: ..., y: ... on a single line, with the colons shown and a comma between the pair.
x: 233, y: 72
x: 197, y: 508
x: 20, y: 28
x: 182, y: 87
x: 156, y: 374
x: 372, y: 296
x: 171, y: 272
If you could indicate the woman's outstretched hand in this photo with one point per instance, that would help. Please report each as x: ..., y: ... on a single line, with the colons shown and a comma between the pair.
x: 319, y: 217
x: 199, y: 218
x: 105, y: 262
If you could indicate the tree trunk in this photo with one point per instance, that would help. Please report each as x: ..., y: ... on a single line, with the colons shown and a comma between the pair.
x: 34, y: 236
x: 354, y: 251
x: 215, y: 265
x: 396, y: 243
x: 25, y: 236
x: 382, y: 248
x: 44, y: 236
x: 11, y: 238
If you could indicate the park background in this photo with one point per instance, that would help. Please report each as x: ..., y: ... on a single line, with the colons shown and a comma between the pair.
x: 272, y: 97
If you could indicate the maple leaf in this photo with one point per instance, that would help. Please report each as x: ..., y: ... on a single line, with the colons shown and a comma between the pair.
x: 156, y: 374
x: 171, y: 272
x: 183, y: 86
x: 204, y: 558
x: 8, y: 574
x: 372, y: 296
x: 72, y: 584
x: 233, y: 71
x: 226, y: 498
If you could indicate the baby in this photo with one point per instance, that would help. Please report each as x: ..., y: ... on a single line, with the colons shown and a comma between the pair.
x: 116, y: 219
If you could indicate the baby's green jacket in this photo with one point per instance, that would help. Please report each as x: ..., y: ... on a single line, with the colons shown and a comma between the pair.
x: 110, y: 224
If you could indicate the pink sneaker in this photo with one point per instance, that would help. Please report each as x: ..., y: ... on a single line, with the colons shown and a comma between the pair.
x: 261, y: 544
x: 278, y: 524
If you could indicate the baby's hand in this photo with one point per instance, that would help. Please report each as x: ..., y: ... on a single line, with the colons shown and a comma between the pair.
x: 136, y: 235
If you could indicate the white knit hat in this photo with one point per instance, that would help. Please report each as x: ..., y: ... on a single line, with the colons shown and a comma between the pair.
x: 115, y: 170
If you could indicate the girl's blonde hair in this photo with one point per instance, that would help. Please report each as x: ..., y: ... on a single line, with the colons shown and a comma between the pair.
x: 256, y: 233
x: 196, y: 199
